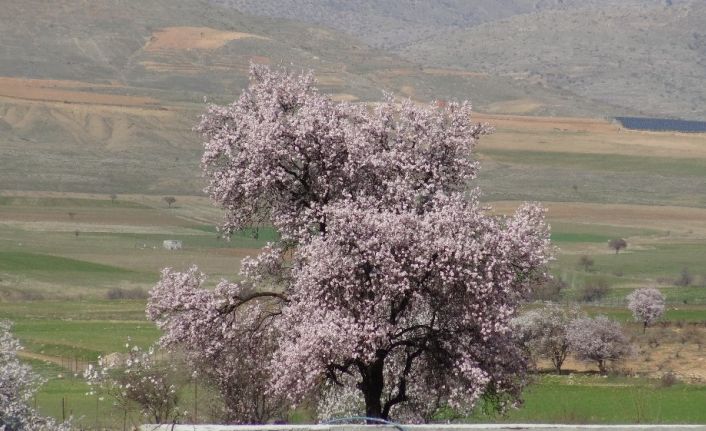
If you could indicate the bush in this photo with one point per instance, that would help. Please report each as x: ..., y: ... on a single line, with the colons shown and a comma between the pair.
x: 668, y: 379
x: 685, y: 278
x: 549, y: 290
x: 120, y: 293
x: 586, y: 263
x: 594, y: 291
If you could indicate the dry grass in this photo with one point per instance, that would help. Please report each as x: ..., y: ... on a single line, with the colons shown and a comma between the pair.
x: 518, y: 106
x: 66, y: 92
x: 583, y: 135
x: 690, y: 222
x: 683, y: 355
x: 180, y: 38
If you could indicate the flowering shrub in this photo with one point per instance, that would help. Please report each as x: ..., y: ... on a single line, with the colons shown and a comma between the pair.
x: 390, y: 278
x: 18, y: 385
x: 141, y: 380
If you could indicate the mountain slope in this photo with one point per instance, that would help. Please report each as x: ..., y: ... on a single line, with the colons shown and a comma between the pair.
x: 648, y: 57
x: 101, y: 95
x: 638, y: 55
x: 392, y: 24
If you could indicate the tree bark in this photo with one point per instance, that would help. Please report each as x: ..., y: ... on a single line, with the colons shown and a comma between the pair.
x: 372, y: 386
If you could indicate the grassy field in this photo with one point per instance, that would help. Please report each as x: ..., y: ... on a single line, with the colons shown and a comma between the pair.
x: 617, y: 400
x: 62, y: 253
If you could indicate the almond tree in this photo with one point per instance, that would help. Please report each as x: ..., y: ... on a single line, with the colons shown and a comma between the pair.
x: 647, y: 305
x: 390, y: 277
x: 598, y: 340
x: 18, y: 385
x: 141, y: 379
x: 544, y: 332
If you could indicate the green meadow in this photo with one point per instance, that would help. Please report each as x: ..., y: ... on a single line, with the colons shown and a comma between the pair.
x: 63, y: 255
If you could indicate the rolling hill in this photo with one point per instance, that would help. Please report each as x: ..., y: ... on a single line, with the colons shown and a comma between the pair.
x: 101, y: 96
x: 639, y: 55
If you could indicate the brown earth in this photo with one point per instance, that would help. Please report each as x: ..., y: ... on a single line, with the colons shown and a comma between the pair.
x: 184, y: 38
x: 66, y: 92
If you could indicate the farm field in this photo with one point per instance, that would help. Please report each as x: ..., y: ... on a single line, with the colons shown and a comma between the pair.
x: 63, y: 256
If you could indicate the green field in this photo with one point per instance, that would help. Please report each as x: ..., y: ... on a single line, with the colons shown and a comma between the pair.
x: 595, y: 399
x: 62, y: 254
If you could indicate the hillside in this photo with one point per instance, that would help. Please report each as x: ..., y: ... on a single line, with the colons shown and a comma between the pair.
x: 640, y: 55
x: 101, y: 96
x: 393, y: 24
x: 652, y: 57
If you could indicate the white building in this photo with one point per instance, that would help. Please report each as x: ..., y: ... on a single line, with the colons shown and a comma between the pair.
x: 172, y: 244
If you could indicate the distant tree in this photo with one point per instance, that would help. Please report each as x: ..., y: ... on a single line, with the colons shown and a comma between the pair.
x: 544, y: 332
x: 617, y: 244
x: 170, y: 200
x: 113, y: 197
x: 594, y: 290
x: 77, y: 233
x: 685, y: 278
x: 586, y: 263
x: 598, y: 340
x: 71, y: 214
x: 18, y: 385
x: 647, y: 305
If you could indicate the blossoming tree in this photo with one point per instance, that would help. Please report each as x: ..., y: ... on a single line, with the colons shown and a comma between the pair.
x: 140, y: 379
x: 544, y: 332
x: 390, y: 279
x: 647, y: 305
x: 18, y: 385
x: 598, y: 340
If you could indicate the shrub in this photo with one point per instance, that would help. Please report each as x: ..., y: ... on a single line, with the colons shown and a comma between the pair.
x: 586, y: 263
x: 668, y: 379
x: 121, y: 293
x: 549, y: 290
x: 594, y: 291
x: 685, y: 278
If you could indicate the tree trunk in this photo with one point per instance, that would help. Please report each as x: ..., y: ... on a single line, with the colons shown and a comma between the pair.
x: 372, y: 386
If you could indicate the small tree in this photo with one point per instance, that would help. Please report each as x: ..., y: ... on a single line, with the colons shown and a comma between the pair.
x: 586, y: 263
x: 71, y: 214
x: 170, y: 200
x: 544, y: 332
x: 598, y: 340
x: 617, y: 244
x: 647, y: 305
x: 113, y: 198
x: 18, y: 385
x: 142, y: 380
x: 77, y: 233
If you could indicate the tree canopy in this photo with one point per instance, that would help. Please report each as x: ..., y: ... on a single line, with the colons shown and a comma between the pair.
x: 391, y: 281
